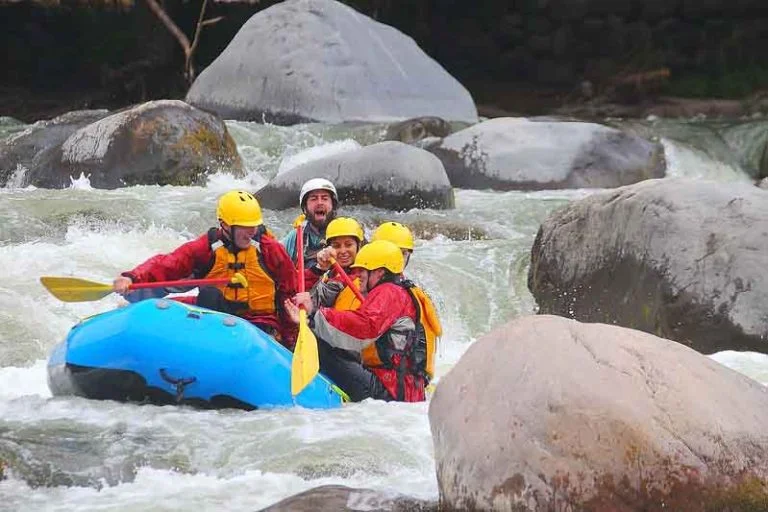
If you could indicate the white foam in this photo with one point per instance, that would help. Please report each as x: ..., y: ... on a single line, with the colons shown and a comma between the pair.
x: 17, y: 178
x: 687, y: 162
x: 751, y: 364
x: 16, y: 382
x: 81, y: 183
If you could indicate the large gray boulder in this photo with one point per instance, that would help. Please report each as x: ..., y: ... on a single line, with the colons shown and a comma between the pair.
x: 319, y: 60
x: 165, y: 142
x: 22, y: 150
x: 546, y: 413
x: 518, y: 154
x: 683, y: 259
x: 389, y: 175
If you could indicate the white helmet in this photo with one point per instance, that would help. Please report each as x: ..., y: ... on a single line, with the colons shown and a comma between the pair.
x: 318, y: 184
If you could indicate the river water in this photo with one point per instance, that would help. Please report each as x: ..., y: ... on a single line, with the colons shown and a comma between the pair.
x: 77, y: 454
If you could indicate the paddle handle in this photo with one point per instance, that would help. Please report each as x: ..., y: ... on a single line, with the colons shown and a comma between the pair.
x: 347, y: 280
x: 300, y: 256
x: 182, y: 282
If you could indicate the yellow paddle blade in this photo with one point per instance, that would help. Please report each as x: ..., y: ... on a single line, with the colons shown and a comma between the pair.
x: 73, y: 289
x: 305, y: 364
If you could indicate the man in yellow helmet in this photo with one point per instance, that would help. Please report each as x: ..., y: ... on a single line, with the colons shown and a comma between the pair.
x: 386, y: 331
x: 241, y: 243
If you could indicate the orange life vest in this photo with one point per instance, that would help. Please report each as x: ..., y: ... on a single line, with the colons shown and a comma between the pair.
x: 346, y: 299
x: 260, y: 296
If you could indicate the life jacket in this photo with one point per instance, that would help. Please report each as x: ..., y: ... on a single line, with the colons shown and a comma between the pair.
x: 427, y: 315
x: 413, y: 352
x: 346, y: 300
x: 260, y: 297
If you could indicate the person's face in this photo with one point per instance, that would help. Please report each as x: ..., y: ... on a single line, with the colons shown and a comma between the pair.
x: 374, y: 277
x: 318, y: 208
x: 241, y: 235
x: 346, y: 249
x: 361, y: 274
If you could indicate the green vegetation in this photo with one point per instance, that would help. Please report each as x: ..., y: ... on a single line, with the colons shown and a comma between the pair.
x: 733, y: 84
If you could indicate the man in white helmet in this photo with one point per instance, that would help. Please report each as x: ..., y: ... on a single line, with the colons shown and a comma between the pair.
x: 318, y: 201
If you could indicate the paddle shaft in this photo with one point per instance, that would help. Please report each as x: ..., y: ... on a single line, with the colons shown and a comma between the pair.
x: 182, y: 282
x: 347, y: 280
x: 306, y: 362
x: 300, y: 255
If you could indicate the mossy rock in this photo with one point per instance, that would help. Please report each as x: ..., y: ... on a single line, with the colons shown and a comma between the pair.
x: 165, y: 142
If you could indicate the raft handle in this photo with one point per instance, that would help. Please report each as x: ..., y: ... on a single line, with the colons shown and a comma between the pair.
x: 179, y: 383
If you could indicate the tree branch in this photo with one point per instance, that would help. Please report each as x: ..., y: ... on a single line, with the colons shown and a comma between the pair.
x: 213, y: 20
x: 171, y: 26
x: 198, y: 28
x: 188, y: 47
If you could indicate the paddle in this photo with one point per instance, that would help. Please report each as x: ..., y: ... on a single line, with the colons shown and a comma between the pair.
x: 306, y: 362
x: 347, y: 280
x: 73, y: 289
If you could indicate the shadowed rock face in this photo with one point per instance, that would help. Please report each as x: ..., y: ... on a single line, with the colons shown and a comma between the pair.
x: 678, y: 258
x: 518, y: 154
x: 389, y: 175
x: 546, y: 413
x: 319, y: 60
x: 164, y: 142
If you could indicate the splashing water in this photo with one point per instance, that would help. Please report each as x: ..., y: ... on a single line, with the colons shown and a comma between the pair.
x: 70, y: 453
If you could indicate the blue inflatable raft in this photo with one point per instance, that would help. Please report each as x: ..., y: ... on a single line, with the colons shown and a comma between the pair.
x: 163, y: 352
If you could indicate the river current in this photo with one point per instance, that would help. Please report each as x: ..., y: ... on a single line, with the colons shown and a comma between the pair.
x: 78, y: 454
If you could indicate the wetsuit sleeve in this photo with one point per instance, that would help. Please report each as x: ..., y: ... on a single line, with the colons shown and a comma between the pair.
x: 282, y: 269
x: 354, y: 330
x: 324, y: 293
x: 178, y: 264
x: 289, y: 242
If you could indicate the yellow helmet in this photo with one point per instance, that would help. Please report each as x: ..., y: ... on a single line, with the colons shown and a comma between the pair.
x: 380, y: 254
x: 344, y: 226
x: 396, y: 233
x: 239, y: 208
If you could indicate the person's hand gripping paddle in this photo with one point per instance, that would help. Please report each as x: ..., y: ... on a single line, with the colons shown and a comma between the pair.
x: 306, y: 363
